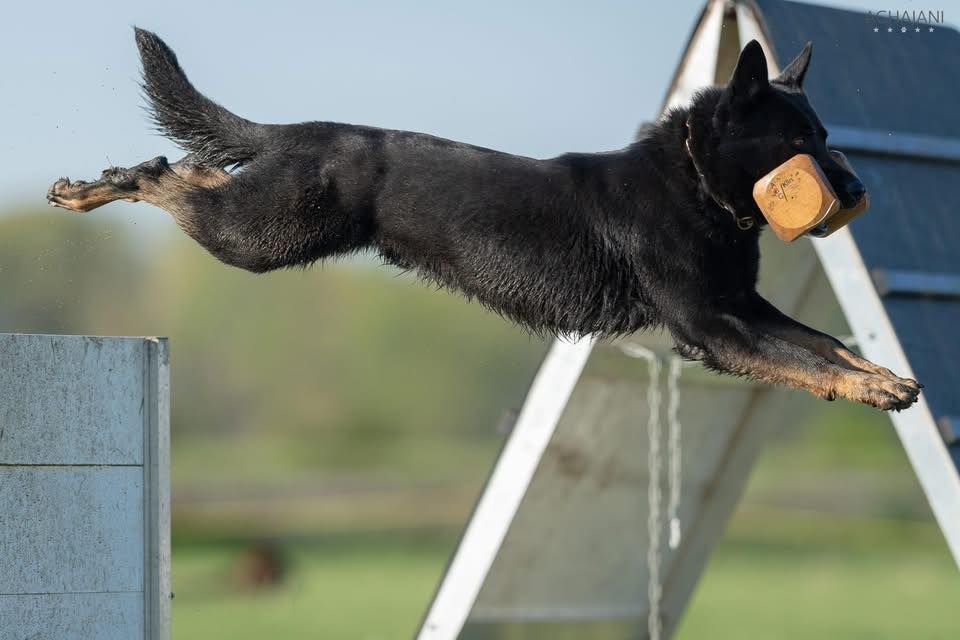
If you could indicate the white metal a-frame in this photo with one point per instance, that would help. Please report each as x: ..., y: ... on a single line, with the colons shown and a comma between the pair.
x: 727, y: 422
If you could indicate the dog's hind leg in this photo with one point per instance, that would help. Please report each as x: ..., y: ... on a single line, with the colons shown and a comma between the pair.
x: 154, y: 181
x: 277, y: 212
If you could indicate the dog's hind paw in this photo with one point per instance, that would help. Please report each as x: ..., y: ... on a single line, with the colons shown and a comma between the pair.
x: 81, y: 196
x: 62, y: 194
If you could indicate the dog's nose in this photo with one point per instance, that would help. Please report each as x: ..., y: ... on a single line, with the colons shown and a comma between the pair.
x: 853, y: 192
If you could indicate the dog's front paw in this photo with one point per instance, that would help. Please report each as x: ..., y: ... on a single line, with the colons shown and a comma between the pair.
x: 880, y: 391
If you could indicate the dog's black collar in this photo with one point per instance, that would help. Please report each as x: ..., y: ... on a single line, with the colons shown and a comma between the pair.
x: 743, y: 222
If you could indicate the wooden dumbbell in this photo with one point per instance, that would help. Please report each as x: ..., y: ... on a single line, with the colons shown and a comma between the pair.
x: 796, y: 197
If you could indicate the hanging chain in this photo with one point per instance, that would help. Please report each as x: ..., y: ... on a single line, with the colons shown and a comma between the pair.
x: 673, y: 450
x: 654, y: 460
x: 654, y: 468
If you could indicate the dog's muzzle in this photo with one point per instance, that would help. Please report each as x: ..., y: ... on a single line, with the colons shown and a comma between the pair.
x: 796, y: 198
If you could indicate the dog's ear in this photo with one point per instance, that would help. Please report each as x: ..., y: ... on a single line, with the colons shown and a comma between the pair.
x: 792, y: 75
x: 750, y: 76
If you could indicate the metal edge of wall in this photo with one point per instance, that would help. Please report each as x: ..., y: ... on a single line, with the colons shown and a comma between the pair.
x: 156, y: 489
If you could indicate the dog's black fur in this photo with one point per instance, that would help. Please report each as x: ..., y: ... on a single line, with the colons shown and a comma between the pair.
x: 601, y: 243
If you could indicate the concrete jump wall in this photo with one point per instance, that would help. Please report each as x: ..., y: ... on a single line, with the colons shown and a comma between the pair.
x: 84, y: 488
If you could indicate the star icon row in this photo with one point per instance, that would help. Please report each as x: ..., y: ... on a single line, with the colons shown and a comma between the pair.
x: 902, y: 29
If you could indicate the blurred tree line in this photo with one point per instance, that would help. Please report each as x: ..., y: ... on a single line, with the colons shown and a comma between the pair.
x: 349, y: 374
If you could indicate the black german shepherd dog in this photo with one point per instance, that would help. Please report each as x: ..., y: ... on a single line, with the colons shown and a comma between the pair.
x: 661, y: 233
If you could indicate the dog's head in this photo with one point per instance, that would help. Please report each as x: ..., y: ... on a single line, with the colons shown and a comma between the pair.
x: 758, y: 124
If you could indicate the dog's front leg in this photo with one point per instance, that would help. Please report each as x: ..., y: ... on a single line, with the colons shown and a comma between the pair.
x: 730, y: 343
x: 773, y: 321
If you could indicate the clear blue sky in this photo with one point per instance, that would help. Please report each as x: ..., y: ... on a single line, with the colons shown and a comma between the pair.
x: 531, y: 77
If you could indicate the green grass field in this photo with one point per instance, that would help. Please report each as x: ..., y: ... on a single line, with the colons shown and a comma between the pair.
x: 833, y: 539
x: 803, y: 575
x: 366, y: 590
x: 781, y: 575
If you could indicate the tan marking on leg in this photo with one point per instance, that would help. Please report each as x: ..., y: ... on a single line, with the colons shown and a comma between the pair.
x: 836, y: 353
x: 169, y: 192
x: 831, y: 381
x: 842, y: 355
x: 781, y: 368
x: 201, y: 176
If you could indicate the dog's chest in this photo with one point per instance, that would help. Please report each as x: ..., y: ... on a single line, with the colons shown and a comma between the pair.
x: 730, y: 262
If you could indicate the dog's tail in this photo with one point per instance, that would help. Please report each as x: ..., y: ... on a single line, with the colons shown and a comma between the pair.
x: 215, y: 136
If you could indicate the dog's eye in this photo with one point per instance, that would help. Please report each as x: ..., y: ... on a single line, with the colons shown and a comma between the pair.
x: 799, y: 142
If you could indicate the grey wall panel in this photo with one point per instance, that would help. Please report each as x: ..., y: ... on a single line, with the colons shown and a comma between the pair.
x: 68, y: 529
x: 71, y: 400
x: 86, y: 616
x: 84, y: 487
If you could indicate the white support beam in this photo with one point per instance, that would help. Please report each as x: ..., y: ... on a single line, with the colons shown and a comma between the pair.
x: 878, y: 341
x: 699, y: 65
x: 505, y: 489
